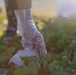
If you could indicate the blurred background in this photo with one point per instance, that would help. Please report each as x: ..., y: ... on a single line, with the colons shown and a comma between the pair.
x: 41, y: 8
x: 57, y: 10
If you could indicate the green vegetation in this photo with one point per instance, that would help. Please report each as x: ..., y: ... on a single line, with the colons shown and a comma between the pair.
x: 60, y: 60
x: 2, y: 17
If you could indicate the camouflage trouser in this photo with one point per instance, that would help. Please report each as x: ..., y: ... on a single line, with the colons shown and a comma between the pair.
x: 11, y: 5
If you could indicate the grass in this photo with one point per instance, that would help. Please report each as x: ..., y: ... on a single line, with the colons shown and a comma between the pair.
x: 59, y: 38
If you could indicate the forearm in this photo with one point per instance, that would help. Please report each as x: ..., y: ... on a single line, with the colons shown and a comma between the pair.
x: 24, y: 4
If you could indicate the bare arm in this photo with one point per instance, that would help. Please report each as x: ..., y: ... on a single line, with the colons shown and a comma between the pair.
x: 24, y: 4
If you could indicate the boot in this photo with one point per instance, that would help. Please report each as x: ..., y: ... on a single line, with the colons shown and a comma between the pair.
x: 32, y: 40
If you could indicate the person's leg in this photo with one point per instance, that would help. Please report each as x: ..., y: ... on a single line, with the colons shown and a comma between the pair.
x: 11, y: 5
x: 32, y: 40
